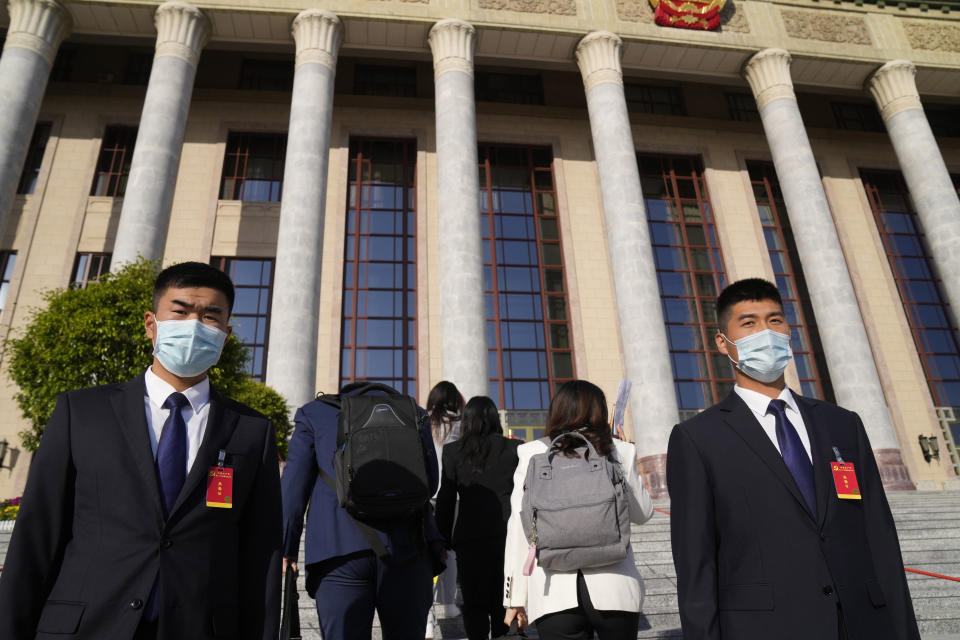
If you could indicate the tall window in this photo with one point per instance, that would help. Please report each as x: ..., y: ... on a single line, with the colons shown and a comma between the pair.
x: 932, y: 322
x: 382, y: 80
x: 8, y: 260
x: 88, y: 268
x: 253, y: 284
x: 690, y: 274
x: 807, y: 351
x: 113, y: 165
x: 253, y: 167
x: 31, y: 168
x: 379, y: 333
x: 266, y: 75
x: 646, y: 98
x: 857, y: 116
x: 742, y: 107
x: 528, y: 320
x: 513, y: 88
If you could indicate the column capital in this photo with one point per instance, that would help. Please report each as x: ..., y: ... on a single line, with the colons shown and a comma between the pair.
x: 452, y: 42
x: 768, y: 73
x: 38, y: 25
x: 894, y: 88
x: 598, y: 56
x: 318, y: 34
x: 182, y: 31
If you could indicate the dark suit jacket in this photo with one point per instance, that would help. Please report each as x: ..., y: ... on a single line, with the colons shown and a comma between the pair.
x: 331, y: 532
x: 752, y: 562
x: 91, y: 538
x: 484, y: 495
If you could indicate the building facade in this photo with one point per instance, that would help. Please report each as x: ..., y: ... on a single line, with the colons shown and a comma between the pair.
x: 510, y: 193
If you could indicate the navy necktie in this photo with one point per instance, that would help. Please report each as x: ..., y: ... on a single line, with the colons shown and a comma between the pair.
x: 172, y: 452
x: 794, y: 455
x: 171, y: 473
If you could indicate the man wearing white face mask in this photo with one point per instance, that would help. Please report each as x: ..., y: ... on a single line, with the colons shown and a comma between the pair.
x: 152, y: 508
x: 779, y: 523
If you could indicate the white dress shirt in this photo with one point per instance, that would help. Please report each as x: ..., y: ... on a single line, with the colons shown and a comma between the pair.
x: 194, y: 414
x: 758, y: 404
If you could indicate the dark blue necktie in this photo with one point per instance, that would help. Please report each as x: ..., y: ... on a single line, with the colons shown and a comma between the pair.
x: 172, y: 452
x: 171, y: 473
x: 794, y: 455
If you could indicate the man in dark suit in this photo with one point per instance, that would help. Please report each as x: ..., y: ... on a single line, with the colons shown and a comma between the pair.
x: 118, y: 535
x: 346, y: 576
x: 765, y: 544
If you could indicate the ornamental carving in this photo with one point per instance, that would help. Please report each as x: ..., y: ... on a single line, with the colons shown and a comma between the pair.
x: 635, y: 10
x: 828, y: 27
x: 734, y: 18
x: 555, y: 7
x: 933, y: 37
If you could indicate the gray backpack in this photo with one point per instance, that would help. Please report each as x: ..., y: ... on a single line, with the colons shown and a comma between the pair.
x: 575, y: 510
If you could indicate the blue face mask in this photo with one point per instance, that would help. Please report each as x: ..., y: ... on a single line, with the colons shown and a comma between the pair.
x: 187, y: 348
x: 763, y: 355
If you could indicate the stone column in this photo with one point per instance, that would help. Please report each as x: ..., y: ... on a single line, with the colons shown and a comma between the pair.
x: 294, y: 317
x: 182, y: 32
x: 853, y: 371
x: 653, y: 400
x: 463, y: 328
x: 37, y: 27
x: 934, y: 196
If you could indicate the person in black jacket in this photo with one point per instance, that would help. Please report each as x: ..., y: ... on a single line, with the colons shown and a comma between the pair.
x: 766, y: 544
x: 479, y: 468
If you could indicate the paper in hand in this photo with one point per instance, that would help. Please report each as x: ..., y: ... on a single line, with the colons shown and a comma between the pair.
x: 620, y: 408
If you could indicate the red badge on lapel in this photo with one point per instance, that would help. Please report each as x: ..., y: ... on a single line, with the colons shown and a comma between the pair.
x: 845, y: 479
x: 220, y: 487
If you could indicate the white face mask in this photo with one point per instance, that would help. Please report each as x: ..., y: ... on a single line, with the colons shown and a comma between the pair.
x: 187, y: 348
x: 763, y: 355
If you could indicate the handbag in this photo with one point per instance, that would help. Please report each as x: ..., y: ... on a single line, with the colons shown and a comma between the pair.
x: 290, y: 620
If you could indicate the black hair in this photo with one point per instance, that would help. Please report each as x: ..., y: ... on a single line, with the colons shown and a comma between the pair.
x: 579, y: 406
x: 192, y: 274
x: 480, y: 421
x: 752, y: 289
x: 444, y: 402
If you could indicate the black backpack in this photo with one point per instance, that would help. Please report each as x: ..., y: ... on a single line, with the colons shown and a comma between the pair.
x: 379, y: 464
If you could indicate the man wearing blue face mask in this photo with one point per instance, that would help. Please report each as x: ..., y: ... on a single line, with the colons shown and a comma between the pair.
x: 152, y: 508
x: 779, y: 523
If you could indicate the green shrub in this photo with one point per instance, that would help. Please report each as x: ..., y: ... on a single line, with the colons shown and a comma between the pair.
x: 270, y: 403
x: 94, y: 336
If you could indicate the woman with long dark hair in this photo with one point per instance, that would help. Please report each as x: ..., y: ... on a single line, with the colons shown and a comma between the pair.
x: 605, y: 600
x: 444, y: 406
x: 479, y: 469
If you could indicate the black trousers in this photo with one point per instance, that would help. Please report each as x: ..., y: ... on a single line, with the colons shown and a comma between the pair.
x: 480, y: 571
x: 581, y: 623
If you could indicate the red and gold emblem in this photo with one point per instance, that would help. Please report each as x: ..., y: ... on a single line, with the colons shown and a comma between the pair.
x: 688, y: 14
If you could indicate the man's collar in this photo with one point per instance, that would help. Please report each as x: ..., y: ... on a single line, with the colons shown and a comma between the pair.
x: 758, y: 402
x: 158, y: 390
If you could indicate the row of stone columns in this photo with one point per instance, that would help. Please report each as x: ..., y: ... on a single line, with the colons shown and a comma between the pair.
x: 38, y: 26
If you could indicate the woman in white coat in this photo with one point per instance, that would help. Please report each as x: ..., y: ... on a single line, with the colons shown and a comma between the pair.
x: 576, y: 604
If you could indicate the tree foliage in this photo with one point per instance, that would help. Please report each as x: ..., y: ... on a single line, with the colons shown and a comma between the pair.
x: 93, y: 336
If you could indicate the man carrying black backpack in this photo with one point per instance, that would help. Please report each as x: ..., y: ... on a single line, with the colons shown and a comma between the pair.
x: 365, y: 463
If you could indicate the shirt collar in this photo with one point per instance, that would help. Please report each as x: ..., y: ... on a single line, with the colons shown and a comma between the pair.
x: 758, y: 402
x: 158, y: 390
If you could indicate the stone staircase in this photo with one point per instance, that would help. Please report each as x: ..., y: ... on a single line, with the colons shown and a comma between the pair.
x: 928, y: 524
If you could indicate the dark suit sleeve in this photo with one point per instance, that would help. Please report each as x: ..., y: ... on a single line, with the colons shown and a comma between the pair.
x: 447, y: 498
x: 884, y: 544
x: 693, y: 536
x: 299, y: 478
x: 260, y: 538
x: 43, y: 529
